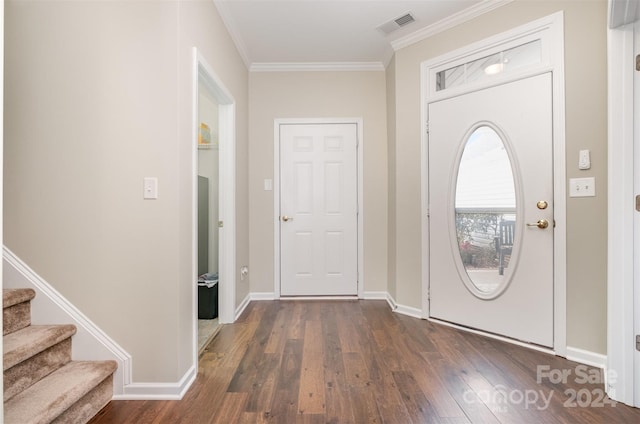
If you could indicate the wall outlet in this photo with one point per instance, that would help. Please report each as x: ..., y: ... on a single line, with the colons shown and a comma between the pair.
x: 244, y: 270
x: 582, y: 187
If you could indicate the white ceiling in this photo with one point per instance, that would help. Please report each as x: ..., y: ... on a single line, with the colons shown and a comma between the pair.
x: 269, y: 32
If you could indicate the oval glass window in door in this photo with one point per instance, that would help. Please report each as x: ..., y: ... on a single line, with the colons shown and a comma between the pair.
x: 485, y: 212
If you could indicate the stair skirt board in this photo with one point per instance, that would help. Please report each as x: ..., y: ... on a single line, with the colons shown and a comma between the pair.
x: 91, y: 343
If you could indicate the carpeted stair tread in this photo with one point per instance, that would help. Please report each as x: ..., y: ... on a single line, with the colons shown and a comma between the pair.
x: 12, y: 297
x: 54, y: 394
x: 25, y: 343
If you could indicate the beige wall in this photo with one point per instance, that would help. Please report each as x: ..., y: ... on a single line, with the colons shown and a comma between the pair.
x: 318, y: 95
x: 586, y: 128
x: 98, y: 96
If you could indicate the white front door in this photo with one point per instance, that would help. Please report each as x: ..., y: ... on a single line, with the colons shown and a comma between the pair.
x: 491, y: 210
x: 318, y: 210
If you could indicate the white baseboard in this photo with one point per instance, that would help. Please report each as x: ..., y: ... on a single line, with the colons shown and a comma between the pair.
x: 409, y: 311
x: 159, y: 391
x: 90, y: 343
x: 403, y: 309
x: 262, y: 296
x: 586, y: 357
x: 375, y: 295
x: 242, y: 306
x: 391, y: 301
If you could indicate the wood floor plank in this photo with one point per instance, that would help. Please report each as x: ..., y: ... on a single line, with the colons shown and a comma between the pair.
x: 418, y: 406
x: 415, y: 351
x: 435, y: 388
x: 311, y: 399
x: 278, y: 333
x: 355, y: 370
x: 338, y: 405
x: 263, y: 385
x: 310, y: 419
x: 388, y: 399
x: 231, y: 408
x: 252, y: 418
x: 284, y: 408
x: 364, y: 406
x: 230, y: 345
x: 295, y: 325
x: 336, y: 361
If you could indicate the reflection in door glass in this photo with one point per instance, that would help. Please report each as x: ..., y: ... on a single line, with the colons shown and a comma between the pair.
x: 485, y: 209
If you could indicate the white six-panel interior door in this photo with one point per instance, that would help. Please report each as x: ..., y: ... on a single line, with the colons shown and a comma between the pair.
x: 318, y: 209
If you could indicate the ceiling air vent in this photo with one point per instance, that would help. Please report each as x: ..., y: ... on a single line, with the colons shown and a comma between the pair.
x: 397, y: 23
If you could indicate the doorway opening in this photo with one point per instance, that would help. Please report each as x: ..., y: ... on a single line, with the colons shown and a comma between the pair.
x: 213, y: 191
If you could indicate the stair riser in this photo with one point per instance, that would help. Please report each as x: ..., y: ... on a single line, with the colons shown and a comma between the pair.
x: 26, y: 373
x: 89, y: 405
x: 16, y: 317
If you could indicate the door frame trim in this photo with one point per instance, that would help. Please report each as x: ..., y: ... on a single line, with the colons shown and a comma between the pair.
x: 623, y: 279
x: 276, y: 192
x: 547, y: 28
x: 202, y: 71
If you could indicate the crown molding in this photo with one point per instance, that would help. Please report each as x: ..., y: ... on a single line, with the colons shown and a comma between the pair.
x: 449, y: 22
x: 315, y: 66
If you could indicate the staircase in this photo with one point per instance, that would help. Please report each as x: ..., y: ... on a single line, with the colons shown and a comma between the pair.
x: 41, y: 382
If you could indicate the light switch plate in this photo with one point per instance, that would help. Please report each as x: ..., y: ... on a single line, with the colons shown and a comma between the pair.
x: 150, y: 188
x: 584, y: 159
x: 582, y: 187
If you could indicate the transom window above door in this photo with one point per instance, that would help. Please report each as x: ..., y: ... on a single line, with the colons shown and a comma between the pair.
x: 491, y: 65
x: 491, y: 62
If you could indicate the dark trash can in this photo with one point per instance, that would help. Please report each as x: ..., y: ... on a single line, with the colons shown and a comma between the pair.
x: 207, y: 299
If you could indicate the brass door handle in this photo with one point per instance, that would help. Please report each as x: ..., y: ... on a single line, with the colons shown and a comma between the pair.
x: 542, y: 223
x: 286, y: 218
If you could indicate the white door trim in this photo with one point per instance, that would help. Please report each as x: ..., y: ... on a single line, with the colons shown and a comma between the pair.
x: 621, y: 273
x: 276, y: 193
x: 550, y: 30
x: 227, y: 147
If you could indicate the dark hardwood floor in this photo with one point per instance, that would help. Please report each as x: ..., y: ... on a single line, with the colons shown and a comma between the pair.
x: 358, y: 362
